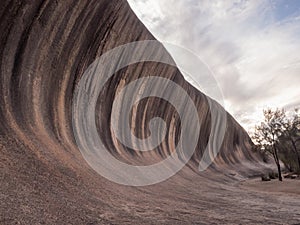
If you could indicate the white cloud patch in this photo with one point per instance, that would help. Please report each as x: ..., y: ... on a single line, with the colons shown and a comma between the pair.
x: 254, y: 55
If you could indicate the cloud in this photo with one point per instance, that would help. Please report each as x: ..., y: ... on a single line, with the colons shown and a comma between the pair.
x: 252, y: 46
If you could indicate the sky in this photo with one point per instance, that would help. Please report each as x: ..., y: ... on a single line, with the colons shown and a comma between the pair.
x: 251, y: 46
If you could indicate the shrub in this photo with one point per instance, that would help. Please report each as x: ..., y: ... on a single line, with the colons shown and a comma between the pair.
x: 265, y: 178
x: 273, y: 175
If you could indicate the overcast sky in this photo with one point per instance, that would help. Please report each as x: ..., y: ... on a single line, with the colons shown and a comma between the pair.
x: 252, y: 47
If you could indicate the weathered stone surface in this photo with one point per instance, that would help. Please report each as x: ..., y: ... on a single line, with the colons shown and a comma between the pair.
x: 45, y: 47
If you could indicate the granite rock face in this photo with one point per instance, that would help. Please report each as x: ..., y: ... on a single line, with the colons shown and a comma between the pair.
x: 45, y: 47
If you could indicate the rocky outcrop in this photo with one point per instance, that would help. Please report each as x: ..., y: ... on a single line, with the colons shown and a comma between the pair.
x: 45, y: 48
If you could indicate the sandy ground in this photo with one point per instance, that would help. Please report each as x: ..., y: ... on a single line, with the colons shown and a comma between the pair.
x: 286, y: 187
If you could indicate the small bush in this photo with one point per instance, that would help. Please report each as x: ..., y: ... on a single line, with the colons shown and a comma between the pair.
x: 294, y: 176
x: 265, y: 178
x: 273, y: 175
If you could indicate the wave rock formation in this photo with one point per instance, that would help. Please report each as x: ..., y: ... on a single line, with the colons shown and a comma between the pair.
x: 45, y: 47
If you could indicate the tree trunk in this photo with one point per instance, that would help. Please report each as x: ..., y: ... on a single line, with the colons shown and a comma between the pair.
x: 279, y: 172
x: 277, y: 163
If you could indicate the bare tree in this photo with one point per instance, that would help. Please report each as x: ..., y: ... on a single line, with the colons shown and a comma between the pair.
x: 291, y: 134
x: 267, y: 133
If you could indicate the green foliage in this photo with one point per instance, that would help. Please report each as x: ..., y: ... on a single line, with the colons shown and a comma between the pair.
x: 279, y: 136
